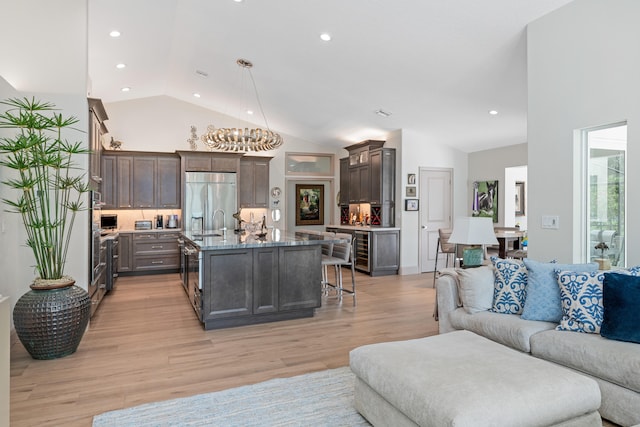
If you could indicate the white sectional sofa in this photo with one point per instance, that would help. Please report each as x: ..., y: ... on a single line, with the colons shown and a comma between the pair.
x: 465, y: 299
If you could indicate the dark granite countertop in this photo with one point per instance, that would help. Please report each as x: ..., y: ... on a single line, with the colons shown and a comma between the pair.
x: 210, y: 241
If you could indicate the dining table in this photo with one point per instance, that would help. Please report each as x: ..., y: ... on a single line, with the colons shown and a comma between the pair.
x: 505, y: 238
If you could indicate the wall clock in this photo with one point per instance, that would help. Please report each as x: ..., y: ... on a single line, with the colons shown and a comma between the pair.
x: 276, y: 192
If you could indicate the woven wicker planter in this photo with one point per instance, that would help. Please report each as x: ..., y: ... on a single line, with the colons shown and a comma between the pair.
x: 50, y: 321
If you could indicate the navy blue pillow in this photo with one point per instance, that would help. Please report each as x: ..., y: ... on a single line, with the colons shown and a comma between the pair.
x: 621, y: 301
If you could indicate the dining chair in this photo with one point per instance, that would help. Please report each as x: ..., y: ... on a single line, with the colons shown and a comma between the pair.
x: 444, y: 247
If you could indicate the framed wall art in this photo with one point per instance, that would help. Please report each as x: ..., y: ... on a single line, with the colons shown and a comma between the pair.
x: 410, y: 192
x: 411, y: 179
x: 411, y: 204
x: 519, y: 198
x: 485, y: 199
x: 309, y: 204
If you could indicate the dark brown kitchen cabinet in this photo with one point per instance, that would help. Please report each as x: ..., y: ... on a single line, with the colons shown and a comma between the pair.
x: 125, y: 257
x: 141, y: 180
x: 209, y: 162
x: 155, y: 251
x: 367, y: 175
x: 97, y: 130
x: 359, y: 185
x: 144, y: 181
x: 254, y: 182
x: 169, y: 183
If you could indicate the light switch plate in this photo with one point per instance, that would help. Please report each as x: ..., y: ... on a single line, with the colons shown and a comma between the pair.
x: 550, y: 221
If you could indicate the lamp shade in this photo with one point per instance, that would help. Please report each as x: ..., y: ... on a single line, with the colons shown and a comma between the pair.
x: 471, y: 230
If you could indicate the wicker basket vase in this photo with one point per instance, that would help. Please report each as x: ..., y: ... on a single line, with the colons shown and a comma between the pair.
x: 50, y: 320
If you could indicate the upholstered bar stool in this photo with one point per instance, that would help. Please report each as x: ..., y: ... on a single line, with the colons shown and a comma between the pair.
x: 342, y: 255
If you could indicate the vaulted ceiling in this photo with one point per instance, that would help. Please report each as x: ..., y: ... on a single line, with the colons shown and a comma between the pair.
x: 438, y: 66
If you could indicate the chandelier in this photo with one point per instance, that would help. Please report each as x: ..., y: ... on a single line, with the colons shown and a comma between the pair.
x: 243, y: 139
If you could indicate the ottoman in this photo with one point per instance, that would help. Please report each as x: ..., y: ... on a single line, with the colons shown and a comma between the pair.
x: 462, y: 379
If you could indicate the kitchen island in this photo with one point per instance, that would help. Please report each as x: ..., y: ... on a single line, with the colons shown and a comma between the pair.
x: 241, y: 279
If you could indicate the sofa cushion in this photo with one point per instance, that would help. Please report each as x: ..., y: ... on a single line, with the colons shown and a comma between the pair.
x: 581, y: 298
x: 543, y: 293
x: 621, y: 307
x: 510, y: 286
x: 614, y: 361
x: 508, y: 329
x: 475, y: 286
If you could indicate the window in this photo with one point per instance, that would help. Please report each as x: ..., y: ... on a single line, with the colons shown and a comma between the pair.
x: 309, y: 164
x: 606, y: 149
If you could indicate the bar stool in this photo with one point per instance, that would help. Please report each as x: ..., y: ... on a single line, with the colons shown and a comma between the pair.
x: 444, y: 247
x: 342, y: 256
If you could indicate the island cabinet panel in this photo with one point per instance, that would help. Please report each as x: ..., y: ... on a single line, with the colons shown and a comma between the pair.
x: 260, y: 284
x: 125, y: 255
x: 228, y: 283
x: 299, y: 277
x: 265, y: 291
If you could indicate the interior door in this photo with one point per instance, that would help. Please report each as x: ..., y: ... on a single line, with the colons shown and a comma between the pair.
x: 435, y: 212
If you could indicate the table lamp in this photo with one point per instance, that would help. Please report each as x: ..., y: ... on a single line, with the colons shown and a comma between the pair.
x: 474, y: 232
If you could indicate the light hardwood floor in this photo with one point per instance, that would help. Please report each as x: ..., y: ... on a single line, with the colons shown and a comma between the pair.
x: 144, y: 345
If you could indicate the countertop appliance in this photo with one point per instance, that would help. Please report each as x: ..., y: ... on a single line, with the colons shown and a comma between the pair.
x: 143, y: 224
x: 108, y: 221
x: 208, y: 193
x: 159, y: 222
x: 172, y: 221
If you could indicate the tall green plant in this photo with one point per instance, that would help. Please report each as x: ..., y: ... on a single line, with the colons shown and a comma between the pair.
x: 48, y: 180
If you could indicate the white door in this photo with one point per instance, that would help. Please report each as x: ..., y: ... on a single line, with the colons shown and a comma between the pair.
x: 435, y: 212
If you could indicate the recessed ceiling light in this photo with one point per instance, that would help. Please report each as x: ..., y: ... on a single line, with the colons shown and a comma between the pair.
x: 382, y: 113
x: 325, y: 36
x: 250, y: 112
x: 238, y: 1
x: 115, y: 33
x: 120, y: 66
x: 125, y: 89
x: 493, y: 112
x: 202, y: 73
x: 197, y: 95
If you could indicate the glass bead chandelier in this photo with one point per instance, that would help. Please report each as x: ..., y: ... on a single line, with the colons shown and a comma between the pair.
x: 239, y: 139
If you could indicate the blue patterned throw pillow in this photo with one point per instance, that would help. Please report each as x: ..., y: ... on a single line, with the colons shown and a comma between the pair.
x: 581, y: 297
x: 510, y: 286
x: 543, y: 294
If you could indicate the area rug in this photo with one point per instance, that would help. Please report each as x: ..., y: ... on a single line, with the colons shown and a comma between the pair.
x: 322, y: 398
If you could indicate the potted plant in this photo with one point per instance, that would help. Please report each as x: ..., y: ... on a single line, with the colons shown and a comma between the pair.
x: 603, y: 263
x: 51, y: 318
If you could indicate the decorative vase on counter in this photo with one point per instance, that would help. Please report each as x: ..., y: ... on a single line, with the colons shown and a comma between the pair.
x: 50, y: 319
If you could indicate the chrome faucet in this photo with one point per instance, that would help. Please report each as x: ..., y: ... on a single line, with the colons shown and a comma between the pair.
x: 224, y: 228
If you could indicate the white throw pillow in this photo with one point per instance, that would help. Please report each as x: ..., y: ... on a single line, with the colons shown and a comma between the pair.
x: 475, y: 287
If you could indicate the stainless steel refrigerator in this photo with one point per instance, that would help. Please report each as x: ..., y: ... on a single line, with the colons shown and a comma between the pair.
x: 206, y: 194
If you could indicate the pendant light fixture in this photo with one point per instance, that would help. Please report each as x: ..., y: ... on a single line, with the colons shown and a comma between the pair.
x: 239, y: 139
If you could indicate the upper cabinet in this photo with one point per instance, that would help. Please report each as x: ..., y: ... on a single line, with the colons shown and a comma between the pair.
x: 367, y: 175
x: 141, y: 180
x: 253, y: 182
x: 194, y: 161
x: 97, y: 130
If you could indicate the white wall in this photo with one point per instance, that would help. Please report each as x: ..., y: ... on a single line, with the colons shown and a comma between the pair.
x: 490, y: 165
x: 583, y: 68
x: 56, y: 72
x: 416, y: 152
